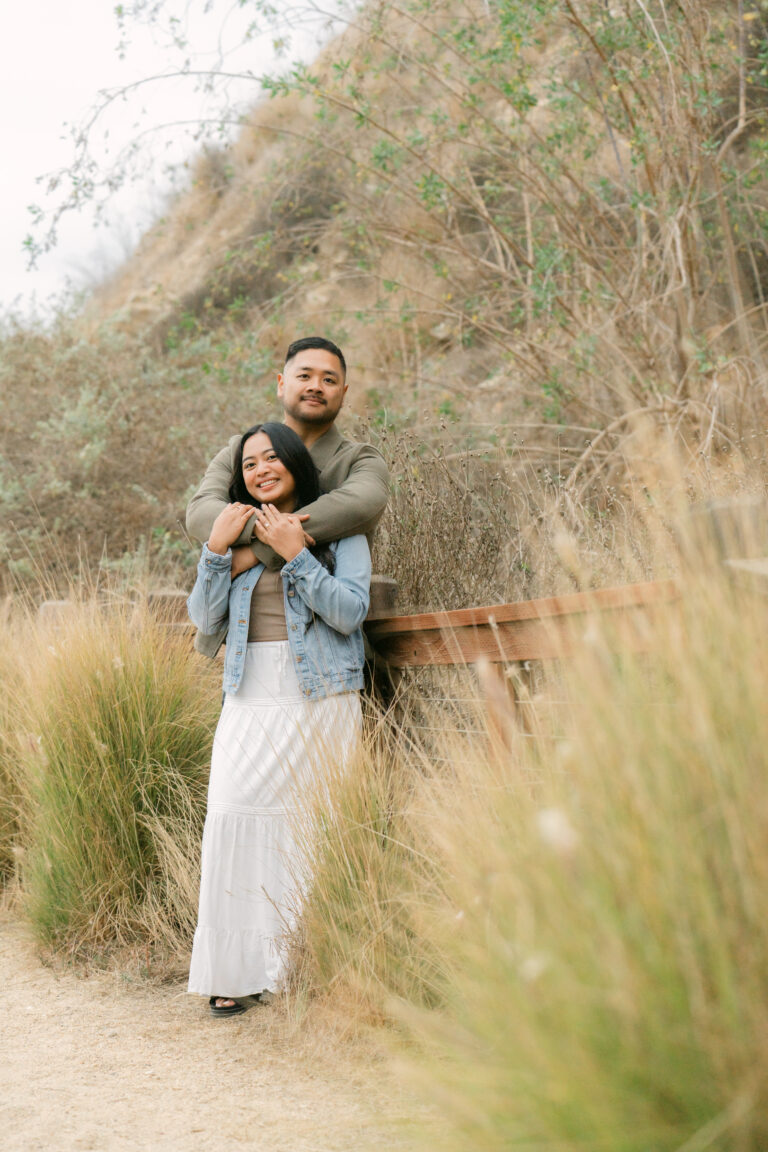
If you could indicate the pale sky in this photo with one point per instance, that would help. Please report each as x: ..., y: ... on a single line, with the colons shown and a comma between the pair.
x: 55, y: 56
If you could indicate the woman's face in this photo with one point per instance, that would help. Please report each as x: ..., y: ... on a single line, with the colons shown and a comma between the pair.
x: 267, y: 478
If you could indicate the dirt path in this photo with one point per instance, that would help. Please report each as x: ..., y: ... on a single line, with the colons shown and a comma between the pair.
x: 99, y: 1064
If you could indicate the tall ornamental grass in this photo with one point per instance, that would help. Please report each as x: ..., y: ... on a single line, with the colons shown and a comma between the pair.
x: 12, y: 742
x: 121, y: 717
x: 361, y: 872
x: 604, y: 907
x: 579, y: 905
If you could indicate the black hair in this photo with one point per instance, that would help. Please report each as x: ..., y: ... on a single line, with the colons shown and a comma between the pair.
x: 308, y: 342
x: 290, y: 451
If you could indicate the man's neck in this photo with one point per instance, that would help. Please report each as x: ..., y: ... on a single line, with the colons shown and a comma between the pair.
x: 309, y: 433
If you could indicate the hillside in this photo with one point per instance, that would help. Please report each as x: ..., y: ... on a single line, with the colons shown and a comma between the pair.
x: 537, y: 231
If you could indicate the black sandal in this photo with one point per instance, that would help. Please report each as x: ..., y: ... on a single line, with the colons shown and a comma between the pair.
x: 225, y: 1010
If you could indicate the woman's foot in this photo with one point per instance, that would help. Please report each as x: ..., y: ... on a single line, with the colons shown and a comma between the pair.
x: 225, y: 1006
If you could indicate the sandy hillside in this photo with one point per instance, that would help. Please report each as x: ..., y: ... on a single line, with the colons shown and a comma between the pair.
x: 93, y: 1063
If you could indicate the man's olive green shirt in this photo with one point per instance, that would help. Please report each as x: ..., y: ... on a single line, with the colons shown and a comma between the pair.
x: 355, y: 483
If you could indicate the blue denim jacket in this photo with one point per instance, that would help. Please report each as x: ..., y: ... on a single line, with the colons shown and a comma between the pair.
x: 323, y: 614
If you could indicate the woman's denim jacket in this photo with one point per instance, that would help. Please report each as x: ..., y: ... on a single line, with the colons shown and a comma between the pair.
x: 323, y: 614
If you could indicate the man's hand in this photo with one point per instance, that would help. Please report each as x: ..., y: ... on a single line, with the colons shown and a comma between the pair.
x: 242, y: 559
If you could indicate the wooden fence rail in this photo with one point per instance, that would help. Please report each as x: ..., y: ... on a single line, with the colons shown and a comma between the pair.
x: 734, y: 533
x: 528, y: 630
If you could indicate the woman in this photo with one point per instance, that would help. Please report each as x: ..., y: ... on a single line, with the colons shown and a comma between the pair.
x: 292, y: 671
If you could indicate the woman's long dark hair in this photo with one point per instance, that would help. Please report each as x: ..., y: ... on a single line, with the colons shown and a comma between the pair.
x: 291, y: 452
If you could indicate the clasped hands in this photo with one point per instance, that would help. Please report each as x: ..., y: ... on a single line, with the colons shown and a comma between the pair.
x: 282, y: 531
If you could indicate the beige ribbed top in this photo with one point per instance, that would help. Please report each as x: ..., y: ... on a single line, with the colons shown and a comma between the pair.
x: 267, y: 620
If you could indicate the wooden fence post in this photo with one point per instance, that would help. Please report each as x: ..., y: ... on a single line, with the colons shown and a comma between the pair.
x: 727, y: 529
x: 381, y: 680
x: 734, y: 532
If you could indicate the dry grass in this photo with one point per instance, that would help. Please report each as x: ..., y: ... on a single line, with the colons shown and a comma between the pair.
x: 111, y: 721
x: 566, y: 918
x: 12, y: 746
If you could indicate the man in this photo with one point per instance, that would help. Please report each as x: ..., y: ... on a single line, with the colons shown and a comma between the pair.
x: 354, y: 477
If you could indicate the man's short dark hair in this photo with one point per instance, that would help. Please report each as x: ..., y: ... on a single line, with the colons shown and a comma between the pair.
x: 308, y: 342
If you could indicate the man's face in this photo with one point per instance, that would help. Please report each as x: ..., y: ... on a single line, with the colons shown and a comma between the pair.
x: 312, y: 388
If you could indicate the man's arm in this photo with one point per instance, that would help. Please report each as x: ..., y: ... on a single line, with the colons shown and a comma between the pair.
x: 354, y: 506
x: 212, y: 495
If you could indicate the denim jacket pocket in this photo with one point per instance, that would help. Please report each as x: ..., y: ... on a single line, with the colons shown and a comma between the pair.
x: 298, y: 610
x: 349, y: 650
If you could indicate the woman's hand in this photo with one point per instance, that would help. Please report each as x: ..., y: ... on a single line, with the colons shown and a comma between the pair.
x: 228, y: 525
x: 283, y: 531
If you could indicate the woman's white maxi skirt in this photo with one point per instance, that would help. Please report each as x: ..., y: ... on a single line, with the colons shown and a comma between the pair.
x: 271, y: 744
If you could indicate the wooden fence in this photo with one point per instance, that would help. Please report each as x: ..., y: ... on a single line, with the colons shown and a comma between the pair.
x: 527, y: 630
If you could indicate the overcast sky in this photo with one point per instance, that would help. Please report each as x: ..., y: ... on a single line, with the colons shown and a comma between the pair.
x: 55, y: 56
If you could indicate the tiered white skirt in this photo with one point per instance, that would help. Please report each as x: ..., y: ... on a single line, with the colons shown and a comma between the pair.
x: 271, y: 745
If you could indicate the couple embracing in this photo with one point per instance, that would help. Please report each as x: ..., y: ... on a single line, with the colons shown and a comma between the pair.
x: 286, y: 510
